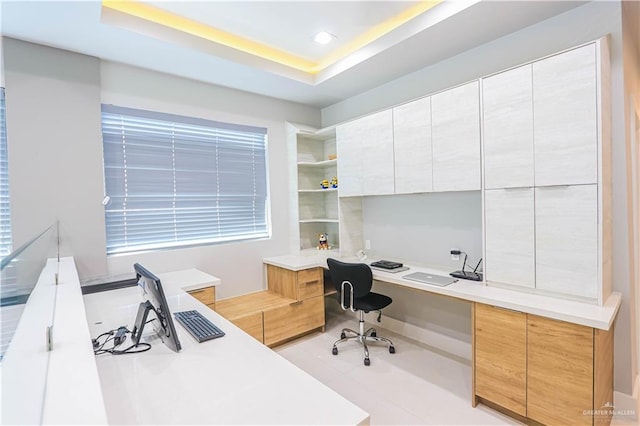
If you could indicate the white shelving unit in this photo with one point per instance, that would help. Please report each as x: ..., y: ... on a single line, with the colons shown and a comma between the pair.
x: 317, y: 207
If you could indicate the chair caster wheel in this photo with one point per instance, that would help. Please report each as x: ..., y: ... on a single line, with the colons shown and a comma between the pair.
x: 374, y: 334
x: 334, y: 351
x: 343, y: 335
x: 367, y: 361
x: 392, y: 350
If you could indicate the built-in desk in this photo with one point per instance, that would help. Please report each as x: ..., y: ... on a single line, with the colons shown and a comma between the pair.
x: 534, y: 357
x: 230, y: 380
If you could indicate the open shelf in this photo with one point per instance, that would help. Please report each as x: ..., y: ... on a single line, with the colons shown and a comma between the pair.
x: 310, y: 191
x: 320, y: 164
x: 319, y: 220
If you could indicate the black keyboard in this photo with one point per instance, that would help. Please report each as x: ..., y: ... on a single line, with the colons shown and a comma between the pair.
x: 200, y: 328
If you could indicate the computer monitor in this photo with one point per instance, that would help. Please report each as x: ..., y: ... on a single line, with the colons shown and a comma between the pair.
x: 154, y: 300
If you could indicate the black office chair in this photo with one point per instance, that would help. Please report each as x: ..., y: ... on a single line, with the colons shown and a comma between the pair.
x: 353, y: 283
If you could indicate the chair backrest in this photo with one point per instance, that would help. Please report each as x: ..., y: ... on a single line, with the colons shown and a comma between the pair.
x: 358, y: 274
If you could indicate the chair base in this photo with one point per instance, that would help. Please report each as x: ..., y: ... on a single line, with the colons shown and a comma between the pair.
x: 362, y: 336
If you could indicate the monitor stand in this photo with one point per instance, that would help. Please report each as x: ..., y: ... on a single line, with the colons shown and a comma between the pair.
x: 141, y: 320
x: 473, y: 276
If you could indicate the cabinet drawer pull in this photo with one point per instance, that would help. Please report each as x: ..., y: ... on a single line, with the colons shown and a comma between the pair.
x: 312, y: 282
x: 296, y: 303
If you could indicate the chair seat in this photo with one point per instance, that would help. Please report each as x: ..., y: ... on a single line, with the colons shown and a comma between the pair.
x: 372, y: 302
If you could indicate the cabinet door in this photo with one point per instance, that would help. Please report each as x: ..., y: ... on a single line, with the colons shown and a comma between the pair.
x: 365, y: 155
x: 412, y: 147
x: 349, y: 148
x: 285, y: 322
x: 509, y: 236
x: 500, y: 357
x: 377, y: 153
x: 567, y: 240
x: 559, y: 372
x: 565, y: 117
x: 455, y: 121
x: 507, y: 100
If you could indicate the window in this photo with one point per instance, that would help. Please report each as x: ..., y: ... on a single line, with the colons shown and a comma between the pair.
x: 5, y: 210
x: 176, y: 181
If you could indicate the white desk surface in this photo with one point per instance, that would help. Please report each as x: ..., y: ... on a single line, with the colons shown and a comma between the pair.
x: 586, y: 314
x: 229, y: 380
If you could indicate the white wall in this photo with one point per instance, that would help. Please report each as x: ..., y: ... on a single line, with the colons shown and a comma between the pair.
x: 54, y: 149
x: 580, y: 25
x: 631, y: 59
x: 59, y: 173
x: 422, y: 229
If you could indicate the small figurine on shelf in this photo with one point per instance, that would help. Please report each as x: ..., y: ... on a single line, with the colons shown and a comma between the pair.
x: 332, y: 156
x: 334, y: 182
x: 324, y: 184
x: 323, y: 242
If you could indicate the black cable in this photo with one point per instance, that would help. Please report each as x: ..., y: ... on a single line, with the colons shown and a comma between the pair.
x: 99, y: 347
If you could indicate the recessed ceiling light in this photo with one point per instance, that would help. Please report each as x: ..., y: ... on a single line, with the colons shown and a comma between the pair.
x: 323, y: 37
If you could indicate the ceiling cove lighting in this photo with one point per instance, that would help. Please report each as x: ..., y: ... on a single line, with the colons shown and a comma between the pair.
x: 155, y: 15
x: 323, y: 37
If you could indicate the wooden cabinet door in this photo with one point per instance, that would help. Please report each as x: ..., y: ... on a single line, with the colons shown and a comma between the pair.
x: 559, y: 372
x: 283, y: 323
x: 565, y: 117
x: 412, y: 147
x: 567, y: 240
x: 500, y: 357
x: 455, y: 124
x: 507, y: 100
x: 509, y: 236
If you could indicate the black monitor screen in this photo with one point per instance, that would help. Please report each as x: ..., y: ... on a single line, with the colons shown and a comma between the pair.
x: 154, y: 300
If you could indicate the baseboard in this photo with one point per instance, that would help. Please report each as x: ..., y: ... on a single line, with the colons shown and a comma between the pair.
x: 626, y: 406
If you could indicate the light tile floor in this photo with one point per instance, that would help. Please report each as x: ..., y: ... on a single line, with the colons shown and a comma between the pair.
x: 416, y: 385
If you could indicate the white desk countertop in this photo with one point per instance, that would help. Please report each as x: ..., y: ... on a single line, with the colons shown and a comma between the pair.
x: 230, y: 380
x: 586, y: 314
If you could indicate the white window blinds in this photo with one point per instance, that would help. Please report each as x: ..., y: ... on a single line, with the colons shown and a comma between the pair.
x: 5, y: 211
x: 176, y: 181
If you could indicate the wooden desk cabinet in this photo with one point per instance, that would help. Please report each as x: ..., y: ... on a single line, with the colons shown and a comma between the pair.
x: 549, y: 371
x: 205, y: 295
x: 293, y: 305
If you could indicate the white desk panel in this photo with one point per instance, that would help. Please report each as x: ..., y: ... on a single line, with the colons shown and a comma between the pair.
x: 564, y: 310
x: 229, y: 380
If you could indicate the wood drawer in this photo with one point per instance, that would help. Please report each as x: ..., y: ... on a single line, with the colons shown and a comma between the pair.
x: 296, y: 318
x: 205, y: 295
x: 251, y: 324
x: 310, y: 283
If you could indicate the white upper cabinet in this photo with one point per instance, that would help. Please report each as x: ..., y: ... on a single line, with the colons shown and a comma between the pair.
x: 377, y: 153
x: 349, y: 149
x: 509, y: 236
x: 455, y: 120
x: 507, y: 100
x: 565, y: 117
x: 567, y: 240
x: 412, y: 147
x: 365, y: 155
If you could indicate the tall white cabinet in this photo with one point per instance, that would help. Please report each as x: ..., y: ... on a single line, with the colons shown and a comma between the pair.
x: 546, y: 173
